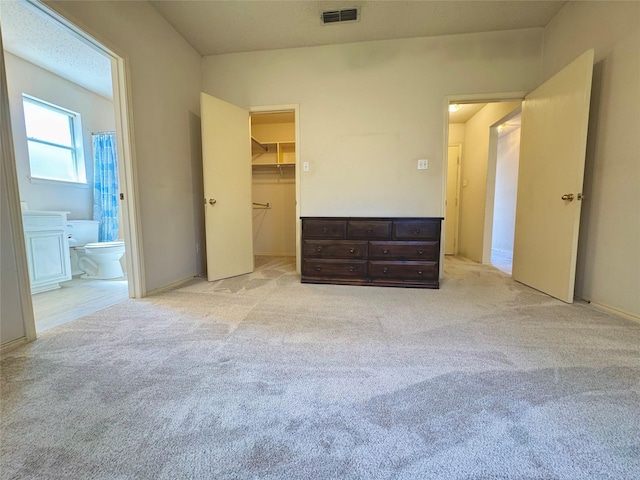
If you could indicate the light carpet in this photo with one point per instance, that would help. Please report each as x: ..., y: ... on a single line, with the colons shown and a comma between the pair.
x: 262, y: 377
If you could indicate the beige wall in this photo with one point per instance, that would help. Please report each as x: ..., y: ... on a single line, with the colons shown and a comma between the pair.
x: 96, y: 115
x: 456, y: 133
x: 608, y: 271
x: 165, y: 78
x: 11, y: 314
x: 369, y: 111
x: 473, y: 197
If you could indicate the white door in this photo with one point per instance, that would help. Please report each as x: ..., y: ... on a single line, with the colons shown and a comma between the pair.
x: 451, y: 211
x: 552, y: 153
x: 226, y: 164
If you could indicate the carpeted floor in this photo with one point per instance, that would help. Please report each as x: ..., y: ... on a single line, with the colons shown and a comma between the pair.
x: 262, y: 377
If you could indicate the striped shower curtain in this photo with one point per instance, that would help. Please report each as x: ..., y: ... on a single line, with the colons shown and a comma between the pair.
x: 105, y: 185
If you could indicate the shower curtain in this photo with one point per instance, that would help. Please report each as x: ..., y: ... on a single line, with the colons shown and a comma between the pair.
x: 105, y: 185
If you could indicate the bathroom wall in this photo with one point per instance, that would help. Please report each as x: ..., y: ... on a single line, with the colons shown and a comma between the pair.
x: 97, y: 114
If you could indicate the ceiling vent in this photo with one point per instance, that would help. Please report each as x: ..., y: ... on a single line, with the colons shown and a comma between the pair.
x: 337, y: 16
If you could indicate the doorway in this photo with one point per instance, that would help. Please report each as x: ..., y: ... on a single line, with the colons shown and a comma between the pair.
x: 470, y: 185
x: 47, y: 75
x: 273, y: 190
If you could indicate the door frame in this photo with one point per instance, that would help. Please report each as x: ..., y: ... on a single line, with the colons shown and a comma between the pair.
x: 457, y: 187
x: 295, y: 108
x: 127, y: 173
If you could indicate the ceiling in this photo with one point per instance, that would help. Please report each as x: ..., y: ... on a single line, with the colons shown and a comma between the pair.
x: 28, y: 34
x: 218, y: 27
x: 215, y: 27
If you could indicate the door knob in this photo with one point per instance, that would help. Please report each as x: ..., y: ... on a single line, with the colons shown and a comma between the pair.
x: 567, y: 196
x: 212, y: 201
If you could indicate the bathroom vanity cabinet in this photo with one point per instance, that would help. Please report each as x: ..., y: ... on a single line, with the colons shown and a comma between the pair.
x: 399, y: 252
x: 47, y: 245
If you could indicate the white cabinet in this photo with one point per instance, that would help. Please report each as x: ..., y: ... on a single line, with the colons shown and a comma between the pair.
x: 45, y: 235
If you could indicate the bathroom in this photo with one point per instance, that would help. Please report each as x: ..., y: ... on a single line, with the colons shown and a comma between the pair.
x: 91, y: 279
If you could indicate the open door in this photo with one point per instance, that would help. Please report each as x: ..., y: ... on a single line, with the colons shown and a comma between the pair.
x: 226, y: 164
x: 552, y: 154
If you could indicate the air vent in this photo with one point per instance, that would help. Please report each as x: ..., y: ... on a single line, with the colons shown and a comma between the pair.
x: 337, y: 16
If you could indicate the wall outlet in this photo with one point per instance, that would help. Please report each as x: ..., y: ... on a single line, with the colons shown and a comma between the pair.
x: 305, y: 166
x: 423, y: 164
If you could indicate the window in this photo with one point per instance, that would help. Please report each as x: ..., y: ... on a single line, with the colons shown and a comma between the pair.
x: 55, y: 145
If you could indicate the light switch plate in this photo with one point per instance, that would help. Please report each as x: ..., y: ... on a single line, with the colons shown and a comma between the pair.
x: 423, y: 164
x: 305, y: 166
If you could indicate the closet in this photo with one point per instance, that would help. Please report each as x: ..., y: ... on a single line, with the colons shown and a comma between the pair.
x: 273, y: 160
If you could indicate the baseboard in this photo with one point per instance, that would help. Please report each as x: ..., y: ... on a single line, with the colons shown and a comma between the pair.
x: 12, y: 345
x: 605, y: 308
x: 171, y: 286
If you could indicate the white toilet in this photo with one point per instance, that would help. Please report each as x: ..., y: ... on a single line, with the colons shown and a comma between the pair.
x: 93, y: 259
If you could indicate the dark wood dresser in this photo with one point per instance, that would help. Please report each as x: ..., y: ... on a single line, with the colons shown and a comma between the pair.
x: 398, y: 252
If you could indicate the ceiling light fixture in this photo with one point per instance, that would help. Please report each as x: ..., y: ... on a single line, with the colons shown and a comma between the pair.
x: 454, y: 107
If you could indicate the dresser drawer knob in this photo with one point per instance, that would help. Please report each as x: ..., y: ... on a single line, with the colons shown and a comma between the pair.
x: 420, y: 252
x: 369, y: 231
x: 385, y: 251
x: 415, y: 231
x: 352, y: 269
x: 325, y: 230
x: 318, y: 249
x: 419, y: 272
x: 352, y: 250
x: 318, y: 268
x: 385, y: 270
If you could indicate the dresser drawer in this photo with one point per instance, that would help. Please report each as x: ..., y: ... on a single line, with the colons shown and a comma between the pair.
x: 335, y: 249
x: 353, y: 269
x: 423, y: 251
x: 320, y: 228
x: 416, y: 229
x: 369, y: 229
x: 403, y: 271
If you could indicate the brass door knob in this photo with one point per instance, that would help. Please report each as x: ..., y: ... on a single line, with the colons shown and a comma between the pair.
x: 567, y: 196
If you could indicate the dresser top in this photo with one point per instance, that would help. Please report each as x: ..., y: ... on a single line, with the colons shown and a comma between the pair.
x: 372, y: 218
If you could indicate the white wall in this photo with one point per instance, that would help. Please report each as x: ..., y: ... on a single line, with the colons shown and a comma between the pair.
x: 473, y: 197
x: 165, y: 79
x: 97, y: 114
x: 506, y: 189
x: 608, y: 270
x: 369, y: 111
